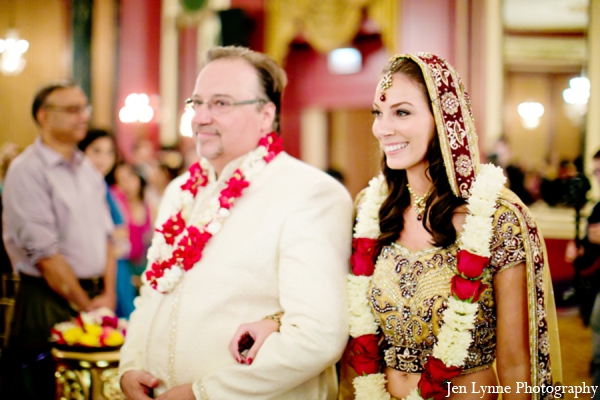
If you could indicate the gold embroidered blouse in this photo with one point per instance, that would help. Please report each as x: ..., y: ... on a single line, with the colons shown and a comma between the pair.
x: 409, y: 294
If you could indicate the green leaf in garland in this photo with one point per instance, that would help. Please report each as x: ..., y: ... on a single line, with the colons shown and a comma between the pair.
x: 192, y: 5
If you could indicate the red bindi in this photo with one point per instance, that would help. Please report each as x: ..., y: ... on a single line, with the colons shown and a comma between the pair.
x: 382, y: 97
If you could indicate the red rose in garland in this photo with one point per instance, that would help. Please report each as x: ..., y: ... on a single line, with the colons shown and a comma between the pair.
x: 364, y: 253
x: 440, y: 371
x: 470, y: 265
x: 364, y: 354
x: 466, y: 289
x: 431, y: 388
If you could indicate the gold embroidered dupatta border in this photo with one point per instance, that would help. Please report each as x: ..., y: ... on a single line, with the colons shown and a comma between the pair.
x: 545, y: 357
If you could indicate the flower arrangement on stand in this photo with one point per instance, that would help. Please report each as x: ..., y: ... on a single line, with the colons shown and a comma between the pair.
x: 95, y: 329
x: 455, y: 336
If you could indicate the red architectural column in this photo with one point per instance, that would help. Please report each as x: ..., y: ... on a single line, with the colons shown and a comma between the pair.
x: 138, y: 66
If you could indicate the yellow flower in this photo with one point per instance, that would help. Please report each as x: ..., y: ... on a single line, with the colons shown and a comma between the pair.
x: 90, y: 340
x: 72, y: 335
x: 94, y: 330
x: 115, y: 338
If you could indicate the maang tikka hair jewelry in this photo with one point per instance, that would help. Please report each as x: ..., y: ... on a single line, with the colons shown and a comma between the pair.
x: 420, y: 201
x: 386, y: 81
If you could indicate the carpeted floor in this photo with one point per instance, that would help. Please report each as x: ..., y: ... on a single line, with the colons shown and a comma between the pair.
x: 575, y: 342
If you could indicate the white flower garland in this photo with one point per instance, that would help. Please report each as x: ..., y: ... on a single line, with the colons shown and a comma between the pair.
x: 371, y: 387
x: 362, y: 320
x: 211, y: 218
x: 454, y: 338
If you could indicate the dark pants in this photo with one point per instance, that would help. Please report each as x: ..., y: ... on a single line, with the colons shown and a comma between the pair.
x: 28, y: 367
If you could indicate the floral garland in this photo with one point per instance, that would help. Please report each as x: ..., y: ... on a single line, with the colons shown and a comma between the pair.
x: 454, y: 338
x: 183, y: 236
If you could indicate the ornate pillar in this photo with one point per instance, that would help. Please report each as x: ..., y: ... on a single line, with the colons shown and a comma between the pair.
x: 494, y: 75
x: 592, y: 136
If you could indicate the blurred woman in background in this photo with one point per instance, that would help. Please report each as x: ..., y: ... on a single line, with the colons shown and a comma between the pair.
x: 99, y: 147
x: 129, y: 189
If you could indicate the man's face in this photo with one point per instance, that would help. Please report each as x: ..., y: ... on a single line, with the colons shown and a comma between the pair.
x: 224, y: 135
x: 65, y: 115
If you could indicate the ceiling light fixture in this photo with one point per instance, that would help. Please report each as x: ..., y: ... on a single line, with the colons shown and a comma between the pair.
x: 530, y: 113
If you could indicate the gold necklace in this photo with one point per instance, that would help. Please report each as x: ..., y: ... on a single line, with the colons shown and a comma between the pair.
x: 419, y: 204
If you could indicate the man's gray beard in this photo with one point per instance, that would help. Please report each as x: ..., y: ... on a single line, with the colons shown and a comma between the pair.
x: 216, y: 154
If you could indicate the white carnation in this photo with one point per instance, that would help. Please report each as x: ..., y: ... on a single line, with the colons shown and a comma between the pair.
x: 214, y: 227
x: 489, y: 182
x: 367, y: 225
x: 261, y: 151
x: 452, y: 346
x: 205, y: 164
x: 223, y: 213
x: 413, y: 395
x: 254, y: 168
x: 362, y: 321
x: 477, y: 235
x: 462, y: 307
x: 370, y: 387
x: 160, y: 250
x: 171, y: 276
x: 481, y: 207
x: 458, y: 322
x: 187, y: 199
x: 363, y: 325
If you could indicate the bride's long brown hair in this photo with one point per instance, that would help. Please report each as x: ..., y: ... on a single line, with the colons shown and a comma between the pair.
x: 442, y: 203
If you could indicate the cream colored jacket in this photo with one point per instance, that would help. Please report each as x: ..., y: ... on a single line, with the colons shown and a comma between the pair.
x: 285, y: 247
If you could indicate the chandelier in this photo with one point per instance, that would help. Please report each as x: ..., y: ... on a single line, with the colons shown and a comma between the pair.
x: 576, y: 97
x: 12, y: 49
x: 530, y: 113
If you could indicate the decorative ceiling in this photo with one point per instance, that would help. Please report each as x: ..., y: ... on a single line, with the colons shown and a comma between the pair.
x: 545, y: 35
x: 545, y: 15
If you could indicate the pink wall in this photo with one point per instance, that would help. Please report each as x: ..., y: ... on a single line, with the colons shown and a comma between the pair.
x: 138, y: 65
x: 311, y: 84
x: 428, y: 26
x: 188, y: 38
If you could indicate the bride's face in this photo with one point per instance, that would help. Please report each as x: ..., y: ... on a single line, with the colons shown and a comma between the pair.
x: 404, y: 124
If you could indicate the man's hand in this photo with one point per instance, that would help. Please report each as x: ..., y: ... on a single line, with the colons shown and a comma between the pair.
x: 106, y: 299
x: 182, y: 392
x: 136, y: 385
x: 594, y: 233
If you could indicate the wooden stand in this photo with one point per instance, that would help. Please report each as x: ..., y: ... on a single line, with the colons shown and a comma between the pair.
x: 87, y: 376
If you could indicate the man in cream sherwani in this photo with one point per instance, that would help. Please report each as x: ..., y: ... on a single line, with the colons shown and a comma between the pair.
x: 276, y: 254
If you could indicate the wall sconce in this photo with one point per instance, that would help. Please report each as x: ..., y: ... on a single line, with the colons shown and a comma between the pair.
x: 576, y: 97
x: 137, y: 109
x: 530, y: 113
x: 347, y: 60
x: 185, y: 126
x: 12, y: 49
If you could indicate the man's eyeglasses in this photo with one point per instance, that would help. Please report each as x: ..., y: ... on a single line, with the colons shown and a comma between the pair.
x: 219, y: 105
x: 70, y: 109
